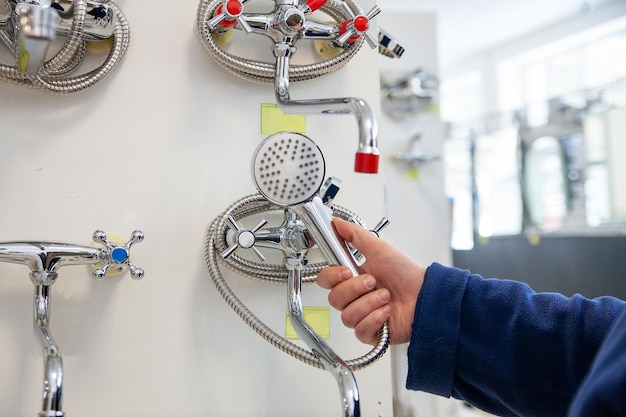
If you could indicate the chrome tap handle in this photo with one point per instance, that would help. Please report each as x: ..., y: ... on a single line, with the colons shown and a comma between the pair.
x: 384, y: 222
x: 118, y: 255
x: 244, y: 239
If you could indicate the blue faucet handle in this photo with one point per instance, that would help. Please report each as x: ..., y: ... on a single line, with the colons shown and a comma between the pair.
x: 117, y: 255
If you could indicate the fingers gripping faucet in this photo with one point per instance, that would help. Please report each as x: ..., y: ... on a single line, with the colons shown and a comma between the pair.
x: 288, y: 170
x: 44, y: 259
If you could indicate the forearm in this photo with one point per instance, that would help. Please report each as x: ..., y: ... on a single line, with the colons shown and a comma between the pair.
x: 495, y: 344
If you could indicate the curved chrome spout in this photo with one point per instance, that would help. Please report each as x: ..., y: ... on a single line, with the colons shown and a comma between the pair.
x: 332, y: 363
x: 53, y: 363
x: 367, y: 154
x: 44, y: 260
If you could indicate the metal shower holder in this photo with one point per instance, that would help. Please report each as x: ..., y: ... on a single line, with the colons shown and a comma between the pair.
x: 44, y: 260
x: 289, y: 171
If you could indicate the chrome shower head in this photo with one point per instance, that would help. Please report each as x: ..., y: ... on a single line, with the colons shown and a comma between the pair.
x: 288, y: 168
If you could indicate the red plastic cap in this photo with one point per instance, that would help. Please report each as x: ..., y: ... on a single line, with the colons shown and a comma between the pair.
x: 234, y: 7
x: 366, y: 163
x: 361, y: 23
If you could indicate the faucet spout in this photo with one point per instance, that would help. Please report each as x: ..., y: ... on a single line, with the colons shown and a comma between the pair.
x: 53, y: 362
x: 35, y: 28
x: 332, y: 363
x: 367, y: 155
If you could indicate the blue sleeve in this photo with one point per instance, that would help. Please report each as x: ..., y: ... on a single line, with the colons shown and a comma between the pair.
x: 501, y: 346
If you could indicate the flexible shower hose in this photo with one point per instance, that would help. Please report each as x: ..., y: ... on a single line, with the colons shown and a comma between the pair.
x: 52, y: 76
x: 216, y: 243
x: 265, y: 73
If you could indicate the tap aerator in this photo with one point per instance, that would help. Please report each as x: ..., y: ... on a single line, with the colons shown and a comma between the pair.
x: 366, y: 163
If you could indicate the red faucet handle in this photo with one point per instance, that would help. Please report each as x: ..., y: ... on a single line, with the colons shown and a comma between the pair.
x: 313, y: 5
x: 352, y: 29
x: 366, y: 163
x: 228, y: 11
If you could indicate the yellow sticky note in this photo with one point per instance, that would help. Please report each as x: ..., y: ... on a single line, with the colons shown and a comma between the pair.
x: 317, y: 317
x: 413, y: 174
x: 273, y: 120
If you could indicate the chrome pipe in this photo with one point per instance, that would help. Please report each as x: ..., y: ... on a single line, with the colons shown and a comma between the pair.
x: 332, y: 362
x: 53, y: 362
x: 367, y: 155
x: 45, y: 258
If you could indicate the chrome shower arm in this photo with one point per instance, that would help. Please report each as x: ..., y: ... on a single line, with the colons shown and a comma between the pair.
x: 367, y: 153
x: 332, y: 363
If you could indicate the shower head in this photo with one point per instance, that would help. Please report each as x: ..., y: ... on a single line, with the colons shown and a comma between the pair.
x: 288, y: 168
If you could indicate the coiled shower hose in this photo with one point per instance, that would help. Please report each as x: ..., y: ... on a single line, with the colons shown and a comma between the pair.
x: 265, y: 73
x: 216, y: 242
x: 52, y: 77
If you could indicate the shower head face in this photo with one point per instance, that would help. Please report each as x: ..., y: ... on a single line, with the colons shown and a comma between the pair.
x: 288, y: 168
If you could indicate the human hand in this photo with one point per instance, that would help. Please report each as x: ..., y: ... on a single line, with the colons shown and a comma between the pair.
x: 386, y: 291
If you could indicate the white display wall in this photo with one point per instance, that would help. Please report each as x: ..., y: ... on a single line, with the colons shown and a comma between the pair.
x: 164, y: 145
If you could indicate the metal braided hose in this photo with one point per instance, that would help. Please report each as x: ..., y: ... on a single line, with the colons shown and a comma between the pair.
x: 121, y: 40
x: 215, y: 244
x: 263, y: 72
x: 51, y: 78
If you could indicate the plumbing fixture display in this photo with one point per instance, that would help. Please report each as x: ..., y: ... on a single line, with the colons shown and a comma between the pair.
x: 416, y: 155
x: 409, y: 95
x: 50, y: 40
x: 44, y: 259
x: 289, y: 170
x: 289, y: 22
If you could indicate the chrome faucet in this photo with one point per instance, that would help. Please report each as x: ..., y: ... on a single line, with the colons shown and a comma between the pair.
x: 35, y: 27
x: 44, y: 260
x: 285, y: 25
x: 28, y: 28
x: 289, y: 170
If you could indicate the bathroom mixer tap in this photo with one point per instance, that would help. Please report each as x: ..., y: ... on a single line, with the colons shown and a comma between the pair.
x: 289, y: 172
x: 29, y: 27
x: 44, y: 259
x: 289, y: 22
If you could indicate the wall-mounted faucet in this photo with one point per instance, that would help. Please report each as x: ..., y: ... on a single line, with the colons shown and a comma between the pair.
x: 289, y: 173
x: 44, y: 260
x: 28, y: 27
x: 285, y: 25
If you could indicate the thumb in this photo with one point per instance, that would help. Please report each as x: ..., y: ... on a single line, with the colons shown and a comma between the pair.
x: 362, y: 239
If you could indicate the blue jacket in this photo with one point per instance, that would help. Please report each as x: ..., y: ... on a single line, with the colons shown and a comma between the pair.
x: 510, y: 351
